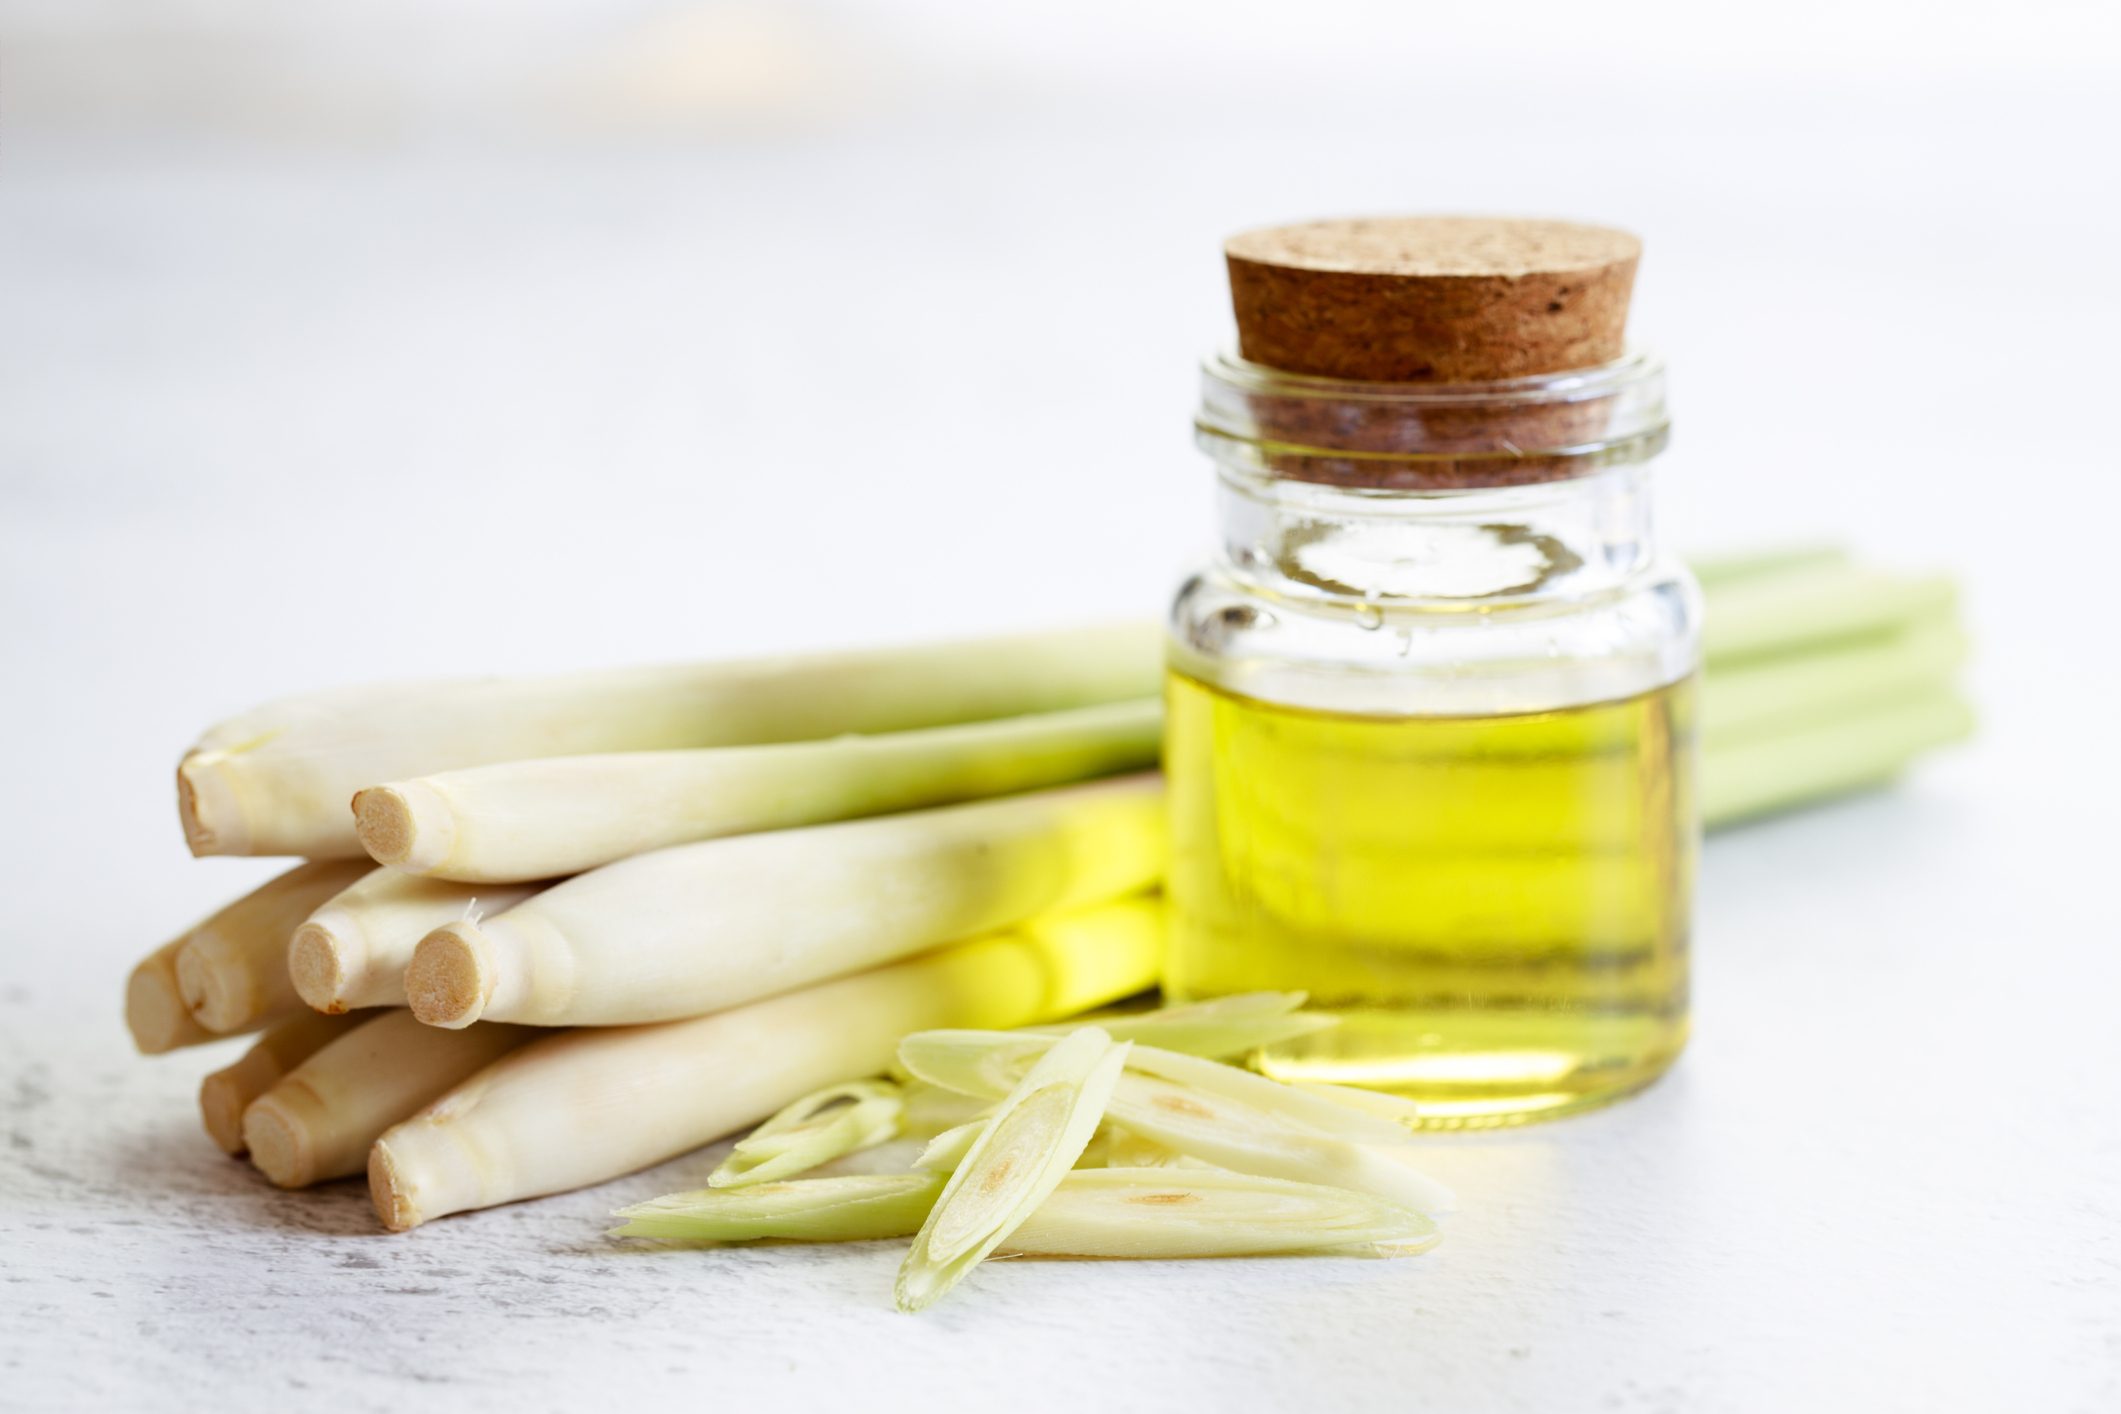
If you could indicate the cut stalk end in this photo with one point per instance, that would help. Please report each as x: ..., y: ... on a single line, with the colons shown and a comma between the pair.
x: 218, y: 996
x: 319, y: 961
x: 208, y: 808
x: 407, y: 826
x: 451, y: 977
x: 389, y: 1190
x: 221, y: 1100
x: 154, y: 1009
x: 279, y: 1142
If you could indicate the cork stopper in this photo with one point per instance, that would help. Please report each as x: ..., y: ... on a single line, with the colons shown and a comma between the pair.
x: 1431, y: 299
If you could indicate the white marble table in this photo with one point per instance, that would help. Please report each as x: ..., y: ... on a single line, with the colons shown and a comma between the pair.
x: 271, y: 423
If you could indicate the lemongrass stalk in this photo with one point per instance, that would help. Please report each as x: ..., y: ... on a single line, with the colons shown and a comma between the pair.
x: 353, y: 952
x: 1766, y: 614
x: 155, y: 1013
x: 1232, y: 1132
x: 845, y: 1208
x: 158, y: 1012
x: 686, y: 931
x: 318, y: 1122
x: 1754, y: 698
x: 1021, y: 1155
x: 585, y: 1106
x: 1158, y: 1213
x: 276, y: 780
x: 565, y: 815
x: 1716, y: 571
x: 227, y: 1092
x: 1138, y: 1213
x: 1863, y: 749
x: 820, y: 1127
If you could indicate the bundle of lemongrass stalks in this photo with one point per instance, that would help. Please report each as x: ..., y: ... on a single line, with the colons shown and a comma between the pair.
x: 552, y: 930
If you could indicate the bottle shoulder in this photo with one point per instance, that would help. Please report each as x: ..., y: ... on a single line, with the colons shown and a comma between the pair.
x: 1455, y: 658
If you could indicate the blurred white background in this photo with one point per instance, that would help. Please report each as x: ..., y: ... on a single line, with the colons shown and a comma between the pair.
x: 354, y: 340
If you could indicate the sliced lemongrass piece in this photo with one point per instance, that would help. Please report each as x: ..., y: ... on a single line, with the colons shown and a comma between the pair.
x: 1124, y: 1149
x: 948, y: 1149
x: 1226, y: 1026
x: 850, y: 1208
x: 1393, y: 1107
x: 1230, y: 1131
x: 985, y: 1065
x: 1330, y: 1118
x: 1020, y: 1157
x: 816, y: 1129
x: 1152, y: 1213
x: 930, y: 1109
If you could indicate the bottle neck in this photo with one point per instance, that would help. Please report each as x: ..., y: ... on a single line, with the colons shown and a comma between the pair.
x: 1458, y: 548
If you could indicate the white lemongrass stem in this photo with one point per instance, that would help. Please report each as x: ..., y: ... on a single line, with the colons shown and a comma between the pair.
x: 155, y: 1007
x: 585, y: 1106
x: 227, y: 1092
x: 686, y: 931
x: 353, y: 952
x: 318, y: 1122
x: 565, y: 815
x: 1020, y: 1156
x: 1867, y: 748
x: 1716, y: 571
x: 276, y: 780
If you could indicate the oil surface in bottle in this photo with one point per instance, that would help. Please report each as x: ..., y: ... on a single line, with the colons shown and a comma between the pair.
x: 1496, y: 907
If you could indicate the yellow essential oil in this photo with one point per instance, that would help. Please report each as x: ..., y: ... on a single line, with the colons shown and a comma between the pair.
x: 1495, y: 906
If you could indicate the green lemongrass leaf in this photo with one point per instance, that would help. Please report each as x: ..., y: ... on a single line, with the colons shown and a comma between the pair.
x: 852, y: 1208
x: 1227, y: 1129
x: 1155, y: 1213
x: 1304, y: 1109
x: 948, y: 1149
x: 814, y: 1130
x: 1020, y: 1157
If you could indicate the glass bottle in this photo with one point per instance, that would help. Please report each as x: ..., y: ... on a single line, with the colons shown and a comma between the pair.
x: 1430, y: 729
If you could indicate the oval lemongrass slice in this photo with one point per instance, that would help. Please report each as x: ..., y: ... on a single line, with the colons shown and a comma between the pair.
x: 850, y: 1208
x: 1226, y: 1026
x: 816, y: 1129
x: 1019, y: 1158
x: 1138, y: 1212
x: 927, y: 1110
x: 1231, y: 1131
x: 1124, y: 1149
x: 985, y: 1064
x: 1376, y: 1102
x: 948, y: 1149
x: 1330, y: 1118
